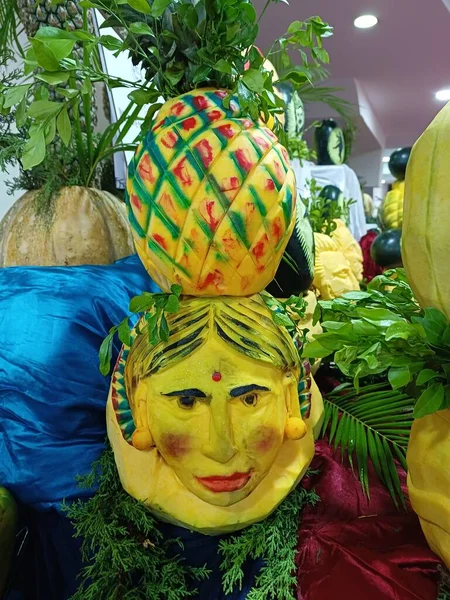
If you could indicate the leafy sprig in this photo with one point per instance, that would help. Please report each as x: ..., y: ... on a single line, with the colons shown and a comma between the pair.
x: 288, y: 313
x: 181, y: 45
x: 153, y: 307
x: 384, y: 331
x: 323, y: 212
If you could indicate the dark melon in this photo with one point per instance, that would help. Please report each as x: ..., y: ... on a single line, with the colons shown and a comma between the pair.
x: 295, y: 111
x: 296, y: 271
x: 329, y: 143
x: 386, y: 250
x: 398, y: 162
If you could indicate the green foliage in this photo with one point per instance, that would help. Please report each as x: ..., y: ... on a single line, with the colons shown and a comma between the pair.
x: 298, y: 148
x: 181, y: 45
x: 383, y: 331
x: 275, y: 541
x: 323, y: 212
x: 288, y: 313
x: 154, y: 307
x: 123, y: 549
x: 373, y: 423
x: 127, y: 557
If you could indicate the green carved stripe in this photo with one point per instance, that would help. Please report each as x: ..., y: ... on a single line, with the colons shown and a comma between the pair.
x: 162, y: 254
x: 238, y: 224
x: 133, y: 221
x: 287, y: 206
x: 154, y: 208
x: 203, y: 225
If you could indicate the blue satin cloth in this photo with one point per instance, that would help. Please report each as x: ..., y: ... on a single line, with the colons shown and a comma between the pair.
x: 52, y: 394
x: 52, y: 415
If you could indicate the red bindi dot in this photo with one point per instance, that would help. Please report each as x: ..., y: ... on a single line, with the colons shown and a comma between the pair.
x: 217, y: 376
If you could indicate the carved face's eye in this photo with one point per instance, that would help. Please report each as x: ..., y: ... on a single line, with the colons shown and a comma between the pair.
x: 250, y: 400
x: 186, y: 402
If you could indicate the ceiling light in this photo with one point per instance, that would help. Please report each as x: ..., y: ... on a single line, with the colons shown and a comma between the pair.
x: 365, y: 21
x: 386, y: 159
x: 383, y: 181
x: 443, y: 95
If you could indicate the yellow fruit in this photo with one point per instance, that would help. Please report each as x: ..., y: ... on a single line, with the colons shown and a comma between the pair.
x: 429, y: 481
x: 349, y: 247
x: 426, y: 220
x: 392, y: 209
x: 211, y: 198
x: 218, y: 399
x: 85, y: 226
x: 333, y: 275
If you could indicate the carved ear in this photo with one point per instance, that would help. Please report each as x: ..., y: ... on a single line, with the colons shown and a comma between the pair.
x: 142, y: 438
x: 291, y: 395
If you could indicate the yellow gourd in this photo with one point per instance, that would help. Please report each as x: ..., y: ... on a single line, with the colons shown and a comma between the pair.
x: 426, y: 251
x: 349, y: 247
x: 333, y: 275
x: 392, y: 209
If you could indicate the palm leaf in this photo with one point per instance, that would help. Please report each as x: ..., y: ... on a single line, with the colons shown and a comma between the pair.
x: 10, y: 29
x: 374, y: 424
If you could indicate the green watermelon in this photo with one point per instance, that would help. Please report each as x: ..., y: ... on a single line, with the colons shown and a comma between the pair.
x: 333, y: 194
x: 330, y: 143
x: 8, y: 523
x: 296, y: 271
x: 386, y: 250
x: 398, y: 162
x: 295, y: 111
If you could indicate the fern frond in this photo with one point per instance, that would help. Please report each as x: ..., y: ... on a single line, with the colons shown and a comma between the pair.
x: 374, y: 423
x: 10, y: 29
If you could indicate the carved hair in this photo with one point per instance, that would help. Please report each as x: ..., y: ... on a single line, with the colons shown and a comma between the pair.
x: 243, y: 323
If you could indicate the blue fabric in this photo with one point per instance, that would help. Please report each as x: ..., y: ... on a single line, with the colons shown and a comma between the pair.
x: 52, y: 395
x: 52, y: 415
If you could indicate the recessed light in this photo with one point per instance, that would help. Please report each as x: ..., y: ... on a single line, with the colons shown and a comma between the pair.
x: 383, y: 181
x: 365, y: 21
x: 386, y: 159
x: 443, y: 95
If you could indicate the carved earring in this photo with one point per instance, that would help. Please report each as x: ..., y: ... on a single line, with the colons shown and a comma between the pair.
x: 295, y: 428
x: 142, y: 439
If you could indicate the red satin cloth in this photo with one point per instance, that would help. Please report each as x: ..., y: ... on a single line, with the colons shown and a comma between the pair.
x: 350, y: 549
x: 370, y: 268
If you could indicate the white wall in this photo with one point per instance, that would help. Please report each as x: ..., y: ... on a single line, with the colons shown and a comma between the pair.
x: 368, y: 167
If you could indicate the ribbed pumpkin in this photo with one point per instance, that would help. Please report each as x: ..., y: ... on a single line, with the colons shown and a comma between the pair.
x: 211, y: 198
x: 85, y: 226
x: 426, y: 251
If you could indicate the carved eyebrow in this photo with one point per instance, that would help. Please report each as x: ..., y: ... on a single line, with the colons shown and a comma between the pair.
x: 190, y: 393
x: 246, y: 389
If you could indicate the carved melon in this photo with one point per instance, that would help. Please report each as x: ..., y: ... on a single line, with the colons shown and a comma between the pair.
x: 84, y: 226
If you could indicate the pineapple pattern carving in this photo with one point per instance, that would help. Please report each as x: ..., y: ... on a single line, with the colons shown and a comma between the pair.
x: 211, y: 198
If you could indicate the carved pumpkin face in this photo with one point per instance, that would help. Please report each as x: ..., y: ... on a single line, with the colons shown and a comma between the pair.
x: 218, y: 420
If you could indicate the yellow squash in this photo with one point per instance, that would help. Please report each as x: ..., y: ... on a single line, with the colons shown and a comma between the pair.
x: 426, y: 251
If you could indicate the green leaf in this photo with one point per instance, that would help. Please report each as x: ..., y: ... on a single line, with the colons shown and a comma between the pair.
x: 105, y: 353
x: 43, y: 109
x: 159, y: 6
x: 176, y: 289
x: 64, y: 126
x: 54, y: 78
x: 356, y: 295
x: 400, y: 330
x: 142, y: 303
x: 15, y: 94
x: 141, y: 97
x: 316, y: 350
x: 21, y: 113
x: 254, y: 80
x: 34, y: 151
x: 223, y: 66
x: 425, y: 376
x: 124, y: 332
x: 140, y: 28
x: 50, y: 130
x: 110, y: 42
x: 49, y: 52
x: 430, y: 401
x: 282, y: 319
x: 152, y: 328
x: 164, y: 329
x: 172, y: 304
x: 399, y: 377
x: 375, y: 423
x: 140, y: 5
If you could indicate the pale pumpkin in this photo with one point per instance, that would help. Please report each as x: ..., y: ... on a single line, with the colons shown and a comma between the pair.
x: 333, y: 275
x: 349, y: 247
x: 85, y: 226
x: 425, y: 252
